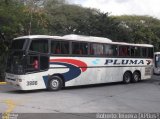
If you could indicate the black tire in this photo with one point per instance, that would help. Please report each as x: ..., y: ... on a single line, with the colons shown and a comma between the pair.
x: 136, y: 77
x: 55, y: 83
x: 127, y: 77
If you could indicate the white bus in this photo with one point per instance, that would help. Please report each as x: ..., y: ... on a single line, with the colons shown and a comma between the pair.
x: 53, y: 62
x: 156, y: 69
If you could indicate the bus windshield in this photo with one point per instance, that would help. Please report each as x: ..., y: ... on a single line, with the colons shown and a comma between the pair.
x: 16, y: 62
x: 18, y: 44
x: 16, y: 57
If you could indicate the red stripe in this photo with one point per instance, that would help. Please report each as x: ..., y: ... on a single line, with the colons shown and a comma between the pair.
x: 72, y: 61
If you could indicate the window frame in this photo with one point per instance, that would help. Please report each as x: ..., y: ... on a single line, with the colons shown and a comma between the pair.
x: 59, y: 40
x: 121, y: 45
x: 81, y: 55
x: 31, y: 54
x: 149, y: 48
x: 96, y: 55
x: 146, y: 56
x: 29, y: 45
x: 115, y: 45
x: 140, y: 51
x: 118, y: 45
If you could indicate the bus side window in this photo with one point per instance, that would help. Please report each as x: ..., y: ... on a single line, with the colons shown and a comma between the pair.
x: 121, y: 51
x: 32, y: 63
x: 150, y: 52
x: 75, y: 48
x: 39, y: 45
x: 36, y: 63
x: 132, y: 51
x: 97, y: 49
x: 91, y: 51
x: 137, y: 51
x: 79, y: 48
x: 115, y: 50
x: 65, y: 47
x: 44, y: 62
x: 59, y: 47
x: 55, y: 47
x: 144, y: 52
x: 110, y: 50
x: 124, y: 51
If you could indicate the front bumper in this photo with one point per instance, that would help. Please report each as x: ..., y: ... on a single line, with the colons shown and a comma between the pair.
x: 13, y: 80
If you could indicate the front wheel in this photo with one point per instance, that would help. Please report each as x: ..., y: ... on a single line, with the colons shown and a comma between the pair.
x: 127, y: 77
x: 55, y: 83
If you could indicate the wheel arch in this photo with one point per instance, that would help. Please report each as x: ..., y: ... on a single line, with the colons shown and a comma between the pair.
x: 59, y: 75
x: 131, y: 75
x: 138, y: 71
x: 128, y: 72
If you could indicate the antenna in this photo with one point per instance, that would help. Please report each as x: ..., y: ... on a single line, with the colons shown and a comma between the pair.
x: 31, y: 16
x: 30, y: 24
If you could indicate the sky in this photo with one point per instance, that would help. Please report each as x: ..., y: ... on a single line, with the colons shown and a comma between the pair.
x: 123, y: 7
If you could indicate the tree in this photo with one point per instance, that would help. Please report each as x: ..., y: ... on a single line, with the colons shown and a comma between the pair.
x: 142, y: 29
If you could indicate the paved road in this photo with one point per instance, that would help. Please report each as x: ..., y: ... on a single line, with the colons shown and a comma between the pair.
x: 111, y: 98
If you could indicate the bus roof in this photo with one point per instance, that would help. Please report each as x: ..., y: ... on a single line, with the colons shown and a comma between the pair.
x: 38, y: 36
x: 87, y: 38
x: 82, y: 38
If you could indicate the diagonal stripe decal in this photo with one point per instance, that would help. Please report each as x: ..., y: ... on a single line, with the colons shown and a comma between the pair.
x: 76, y: 67
x: 78, y: 63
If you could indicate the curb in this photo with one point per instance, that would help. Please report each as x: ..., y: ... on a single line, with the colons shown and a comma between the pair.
x: 1, y: 83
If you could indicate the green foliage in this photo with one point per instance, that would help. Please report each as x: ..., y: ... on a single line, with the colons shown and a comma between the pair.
x: 65, y: 19
x: 141, y: 29
x: 72, y: 19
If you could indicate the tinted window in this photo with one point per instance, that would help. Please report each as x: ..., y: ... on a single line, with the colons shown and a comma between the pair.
x: 124, y: 51
x: 32, y: 63
x: 96, y: 49
x: 150, y: 52
x: 79, y: 48
x: 36, y: 63
x: 110, y: 50
x: 135, y: 51
x: 39, y: 46
x: 132, y: 49
x: 18, y: 44
x: 144, y: 52
x: 59, y: 47
x: 44, y: 62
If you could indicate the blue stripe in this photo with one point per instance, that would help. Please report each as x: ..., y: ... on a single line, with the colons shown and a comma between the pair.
x: 71, y: 74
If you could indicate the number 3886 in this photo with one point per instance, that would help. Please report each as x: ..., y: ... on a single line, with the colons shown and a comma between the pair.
x: 30, y: 83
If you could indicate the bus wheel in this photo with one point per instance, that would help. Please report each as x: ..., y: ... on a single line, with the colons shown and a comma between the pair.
x: 127, y: 77
x: 55, y: 83
x: 136, y: 77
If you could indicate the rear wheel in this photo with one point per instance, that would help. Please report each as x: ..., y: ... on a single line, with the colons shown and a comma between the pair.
x: 136, y: 77
x: 55, y: 83
x: 127, y: 77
